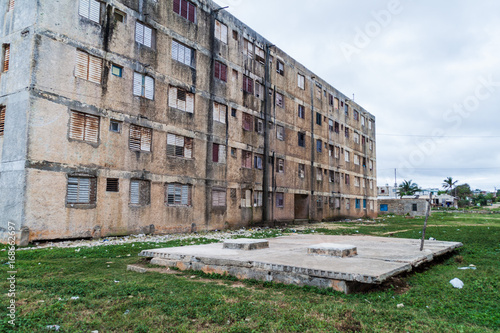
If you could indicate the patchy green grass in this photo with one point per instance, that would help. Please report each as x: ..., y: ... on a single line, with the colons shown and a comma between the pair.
x: 195, y: 302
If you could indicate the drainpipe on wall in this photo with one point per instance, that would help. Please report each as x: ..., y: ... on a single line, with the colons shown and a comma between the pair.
x: 312, y: 203
x: 265, y: 180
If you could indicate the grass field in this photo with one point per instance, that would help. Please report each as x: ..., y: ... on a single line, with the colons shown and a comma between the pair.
x: 111, y: 299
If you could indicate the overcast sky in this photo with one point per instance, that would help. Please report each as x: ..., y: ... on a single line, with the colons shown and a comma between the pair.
x: 428, y: 70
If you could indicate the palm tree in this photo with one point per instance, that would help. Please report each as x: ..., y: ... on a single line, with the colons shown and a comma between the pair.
x: 448, y: 184
x: 407, y: 188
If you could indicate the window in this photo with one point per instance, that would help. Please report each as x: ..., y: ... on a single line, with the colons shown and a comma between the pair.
x: 280, y: 165
x: 84, y: 127
x: 280, y: 132
x: 218, y: 198
x: 330, y: 99
x: 246, y: 198
x: 336, y: 103
x: 330, y: 125
x: 246, y: 159
x: 356, y: 115
x: 220, y: 71
x: 220, y: 112
x: 233, y: 152
x: 259, y: 125
x: 140, y: 192
x: 318, y: 118
x: 259, y: 90
x: 337, y: 152
x: 247, y: 84
x: 260, y: 55
x: 248, y: 48
x: 364, y: 203
x: 11, y: 5
x: 116, y: 70
x: 346, y: 156
x: 318, y: 91
x: 363, y: 121
x: 371, y: 205
x: 221, y: 31
x: 81, y: 190
x: 180, y: 99
x: 6, y: 57
x: 112, y: 185
x: 179, y: 146
x: 178, y: 194
x: 371, y: 145
x: 384, y: 208
x: 144, y: 86
x: 346, y: 110
x: 280, y: 100
x: 370, y: 163
x: 144, y: 35
x: 358, y: 203
x: 302, y: 170
x: 348, y: 204
x: 235, y: 75
x: 319, y: 146
x: 247, y: 121
x: 90, y: 9
x: 319, y: 202
x: 280, y: 202
x: 219, y: 153
x: 371, y: 185
x: 331, y: 176
x: 346, y: 132
x: 87, y: 67
x: 235, y: 35
x: 185, y: 9
x: 370, y: 124
x: 257, y: 198
x: 302, y: 139
x: 337, y: 128
x: 233, y: 112
x: 257, y: 162
x: 355, y: 137
x: 330, y: 150
x: 119, y: 16
x: 302, y: 112
x: 356, y: 181
x: 319, y: 174
x: 140, y: 138
x: 182, y: 53
x: 280, y: 67
x: 347, y: 180
x: 115, y: 126
x: 2, y: 119
x: 301, y: 81
x: 356, y: 159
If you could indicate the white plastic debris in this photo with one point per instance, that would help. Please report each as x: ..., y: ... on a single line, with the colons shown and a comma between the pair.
x: 96, y: 331
x: 401, y: 305
x: 432, y: 238
x: 468, y: 267
x: 126, y: 312
x: 53, y: 327
x: 457, y: 283
x: 75, y: 297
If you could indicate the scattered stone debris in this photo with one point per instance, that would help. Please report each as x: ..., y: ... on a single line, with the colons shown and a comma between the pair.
x: 53, y: 327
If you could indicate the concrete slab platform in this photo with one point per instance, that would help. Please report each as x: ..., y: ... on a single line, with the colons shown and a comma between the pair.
x: 245, y: 244
x: 331, y: 249
x: 287, y: 260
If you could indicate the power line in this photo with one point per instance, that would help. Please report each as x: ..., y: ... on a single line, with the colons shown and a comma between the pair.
x: 497, y: 168
x: 440, y: 136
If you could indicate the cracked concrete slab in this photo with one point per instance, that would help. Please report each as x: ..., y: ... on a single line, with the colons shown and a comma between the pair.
x: 287, y: 260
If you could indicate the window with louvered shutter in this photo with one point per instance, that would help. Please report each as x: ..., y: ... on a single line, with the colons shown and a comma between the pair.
x: 257, y: 198
x: 88, y: 67
x: 247, y: 84
x: 140, y: 192
x: 280, y: 133
x: 112, y: 185
x: 2, y: 119
x: 280, y: 68
x: 260, y: 55
x: 81, y: 190
x: 280, y: 166
x: 140, y: 138
x: 144, y: 86
x: 221, y: 32
x: 11, y: 5
x: 144, y: 35
x: 6, y: 57
x: 90, y: 9
x: 220, y: 112
x: 247, y: 121
x: 246, y: 159
x: 179, y: 146
x: 280, y: 200
x: 219, y: 153
x: 134, y: 191
x: 279, y: 100
x: 178, y: 194
x: 301, y: 81
x: 220, y: 71
x: 185, y: 9
x: 84, y: 127
x: 248, y: 48
x: 218, y: 198
x: 182, y: 53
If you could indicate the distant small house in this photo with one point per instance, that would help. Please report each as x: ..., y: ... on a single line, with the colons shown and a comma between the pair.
x: 412, y: 206
x: 445, y: 200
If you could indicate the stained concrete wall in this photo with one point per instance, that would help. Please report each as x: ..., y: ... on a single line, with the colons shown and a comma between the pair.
x: 404, y: 206
x: 51, y: 156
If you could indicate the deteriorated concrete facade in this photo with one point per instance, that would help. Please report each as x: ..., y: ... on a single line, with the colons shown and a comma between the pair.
x: 154, y: 116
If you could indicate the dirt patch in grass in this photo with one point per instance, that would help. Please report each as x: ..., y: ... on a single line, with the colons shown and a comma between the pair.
x: 348, y: 323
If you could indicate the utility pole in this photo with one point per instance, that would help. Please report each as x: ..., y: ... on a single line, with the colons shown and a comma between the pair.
x: 395, y: 184
x: 265, y: 166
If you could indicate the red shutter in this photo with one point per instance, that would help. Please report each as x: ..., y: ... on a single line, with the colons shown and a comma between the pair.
x: 77, y: 126
x: 192, y: 13
x: 177, y: 6
x: 223, y: 72
x: 215, y: 153
x: 11, y: 5
x: 184, y: 9
x: 2, y: 120
x: 217, y: 69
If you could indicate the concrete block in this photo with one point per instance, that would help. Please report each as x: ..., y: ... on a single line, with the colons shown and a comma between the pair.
x: 331, y: 249
x: 137, y: 269
x: 246, y: 244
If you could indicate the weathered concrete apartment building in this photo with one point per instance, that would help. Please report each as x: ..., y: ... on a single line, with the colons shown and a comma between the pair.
x: 133, y: 116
